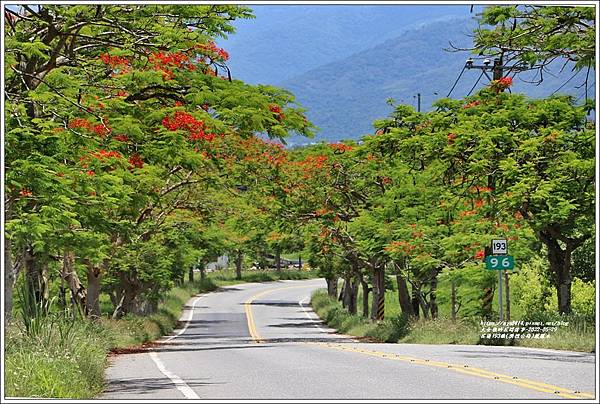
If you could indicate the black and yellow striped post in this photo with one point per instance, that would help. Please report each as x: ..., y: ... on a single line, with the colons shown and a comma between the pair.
x: 380, y: 308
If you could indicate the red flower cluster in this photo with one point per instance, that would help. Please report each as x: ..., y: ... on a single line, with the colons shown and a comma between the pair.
x: 472, y: 104
x: 176, y: 59
x: 99, y: 129
x: 114, y: 61
x: 165, y: 61
x: 276, y: 109
x: 136, y: 161
x: 321, y: 212
x: 480, y: 189
x: 121, y: 138
x: 214, y: 50
x: 403, y: 246
x: 25, y: 192
x: 184, y: 121
x: 501, y: 84
x: 479, y: 255
x: 103, y: 154
x: 340, y: 147
x: 451, y: 138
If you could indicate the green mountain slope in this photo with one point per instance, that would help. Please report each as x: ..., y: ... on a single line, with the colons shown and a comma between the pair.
x: 345, y: 96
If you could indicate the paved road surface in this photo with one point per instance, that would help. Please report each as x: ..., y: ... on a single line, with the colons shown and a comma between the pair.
x: 261, y: 341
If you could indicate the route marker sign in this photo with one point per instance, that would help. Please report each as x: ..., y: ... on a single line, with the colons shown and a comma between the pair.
x: 499, y: 247
x: 500, y: 262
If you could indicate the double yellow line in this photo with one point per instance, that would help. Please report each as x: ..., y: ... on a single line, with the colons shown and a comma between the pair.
x: 465, y: 369
x: 528, y: 384
x: 250, y: 318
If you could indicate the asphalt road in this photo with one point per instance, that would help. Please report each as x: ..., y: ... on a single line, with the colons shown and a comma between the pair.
x: 262, y: 341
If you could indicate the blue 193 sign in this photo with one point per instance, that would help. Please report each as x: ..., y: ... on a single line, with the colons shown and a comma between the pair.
x: 499, y: 262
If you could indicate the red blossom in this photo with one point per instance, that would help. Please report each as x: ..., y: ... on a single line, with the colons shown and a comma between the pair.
x: 122, y: 138
x: 136, y: 161
x: 276, y: 110
x: 451, y: 138
x: 213, y: 51
x: 339, y: 148
x: 184, y: 121
x: 471, y: 104
x: 114, y: 61
x: 25, y: 192
x: 480, y: 189
x: 501, y: 84
x: 479, y: 255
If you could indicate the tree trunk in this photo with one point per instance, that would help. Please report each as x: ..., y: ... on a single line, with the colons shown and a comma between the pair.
x: 9, y: 281
x: 453, y: 299
x: 433, y: 307
x: 300, y: 263
x: 202, y: 273
x: 191, y: 274
x: 78, y: 291
x: 349, y: 300
x: 415, y: 293
x: 94, y: 277
x: 129, y: 288
x: 378, y: 305
x: 404, y: 297
x: 332, y: 286
x: 238, y: 265
x: 560, y: 264
x: 278, y: 259
x: 33, y: 276
x: 366, y: 289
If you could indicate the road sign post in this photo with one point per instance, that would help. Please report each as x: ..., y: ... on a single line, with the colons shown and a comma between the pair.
x: 499, y: 260
x: 500, y: 294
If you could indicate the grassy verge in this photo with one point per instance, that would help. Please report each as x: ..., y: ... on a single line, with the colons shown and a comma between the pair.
x: 66, y: 358
x: 576, y: 337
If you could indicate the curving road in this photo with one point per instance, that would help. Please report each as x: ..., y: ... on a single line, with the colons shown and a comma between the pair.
x: 261, y: 341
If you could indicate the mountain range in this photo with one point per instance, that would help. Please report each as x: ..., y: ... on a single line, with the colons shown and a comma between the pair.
x: 343, y: 63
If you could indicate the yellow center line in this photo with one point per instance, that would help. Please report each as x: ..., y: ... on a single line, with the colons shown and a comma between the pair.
x: 250, y: 317
x: 465, y: 369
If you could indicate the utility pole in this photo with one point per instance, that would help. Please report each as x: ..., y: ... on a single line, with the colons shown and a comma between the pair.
x: 498, y: 69
x: 418, y: 102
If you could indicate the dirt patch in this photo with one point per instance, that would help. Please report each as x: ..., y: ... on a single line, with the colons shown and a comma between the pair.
x: 145, y: 347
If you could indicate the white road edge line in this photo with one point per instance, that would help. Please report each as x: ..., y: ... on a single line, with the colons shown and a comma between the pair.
x: 182, y: 386
x: 187, y: 321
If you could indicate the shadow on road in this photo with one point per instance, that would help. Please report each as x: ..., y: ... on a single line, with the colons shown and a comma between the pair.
x: 273, y: 303
x: 520, y: 354
x: 147, y: 385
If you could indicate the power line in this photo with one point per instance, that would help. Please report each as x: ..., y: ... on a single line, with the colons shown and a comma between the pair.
x: 477, y: 82
x: 566, y: 82
x: 456, y: 82
x: 586, y: 91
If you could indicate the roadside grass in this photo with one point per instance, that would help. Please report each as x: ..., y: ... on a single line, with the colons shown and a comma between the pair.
x: 227, y: 276
x: 66, y: 357
x: 578, y: 336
